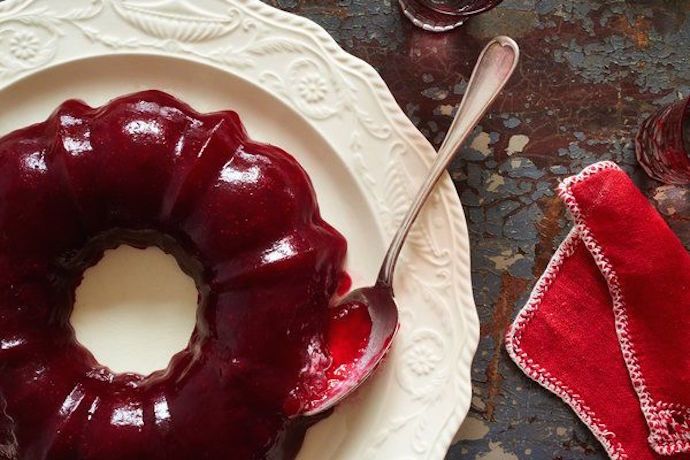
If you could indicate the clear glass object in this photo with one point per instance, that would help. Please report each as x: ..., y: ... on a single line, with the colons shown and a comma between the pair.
x: 443, y: 15
x: 662, y: 144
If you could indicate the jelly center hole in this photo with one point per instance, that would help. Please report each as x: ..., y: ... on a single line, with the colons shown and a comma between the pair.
x: 135, y: 309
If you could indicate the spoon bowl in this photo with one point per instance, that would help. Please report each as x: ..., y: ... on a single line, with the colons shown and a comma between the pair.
x: 383, y: 311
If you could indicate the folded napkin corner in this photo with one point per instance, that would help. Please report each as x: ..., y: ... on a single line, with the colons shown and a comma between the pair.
x: 607, y: 327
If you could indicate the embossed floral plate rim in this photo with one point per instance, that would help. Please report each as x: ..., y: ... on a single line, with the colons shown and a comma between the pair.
x: 427, y: 387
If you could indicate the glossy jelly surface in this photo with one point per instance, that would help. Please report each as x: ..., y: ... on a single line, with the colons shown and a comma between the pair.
x: 240, y: 217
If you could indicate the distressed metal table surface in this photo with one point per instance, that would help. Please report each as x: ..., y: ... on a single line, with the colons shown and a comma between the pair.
x: 591, y: 71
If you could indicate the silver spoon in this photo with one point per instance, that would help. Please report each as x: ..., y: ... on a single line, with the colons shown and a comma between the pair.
x: 494, y: 67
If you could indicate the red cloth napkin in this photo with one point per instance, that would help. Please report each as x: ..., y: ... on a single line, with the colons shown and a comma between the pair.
x: 607, y: 328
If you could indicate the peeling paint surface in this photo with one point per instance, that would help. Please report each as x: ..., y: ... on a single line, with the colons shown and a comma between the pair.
x: 517, y: 143
x: 591, y: 71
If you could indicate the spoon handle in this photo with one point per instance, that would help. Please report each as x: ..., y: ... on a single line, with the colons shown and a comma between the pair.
x: 494, y: 67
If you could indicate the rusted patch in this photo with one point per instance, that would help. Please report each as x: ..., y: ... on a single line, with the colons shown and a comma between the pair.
x: 549, y: 228
x: 511, y: 289
x: 637, y: 31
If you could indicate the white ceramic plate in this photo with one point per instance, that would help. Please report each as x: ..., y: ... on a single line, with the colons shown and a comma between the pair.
x: 293, y: 86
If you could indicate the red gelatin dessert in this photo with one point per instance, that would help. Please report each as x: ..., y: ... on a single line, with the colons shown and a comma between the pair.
x: 241, y: 218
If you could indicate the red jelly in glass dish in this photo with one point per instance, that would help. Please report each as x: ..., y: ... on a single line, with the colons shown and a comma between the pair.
x: 444, y: 15
x: 662, y: 145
